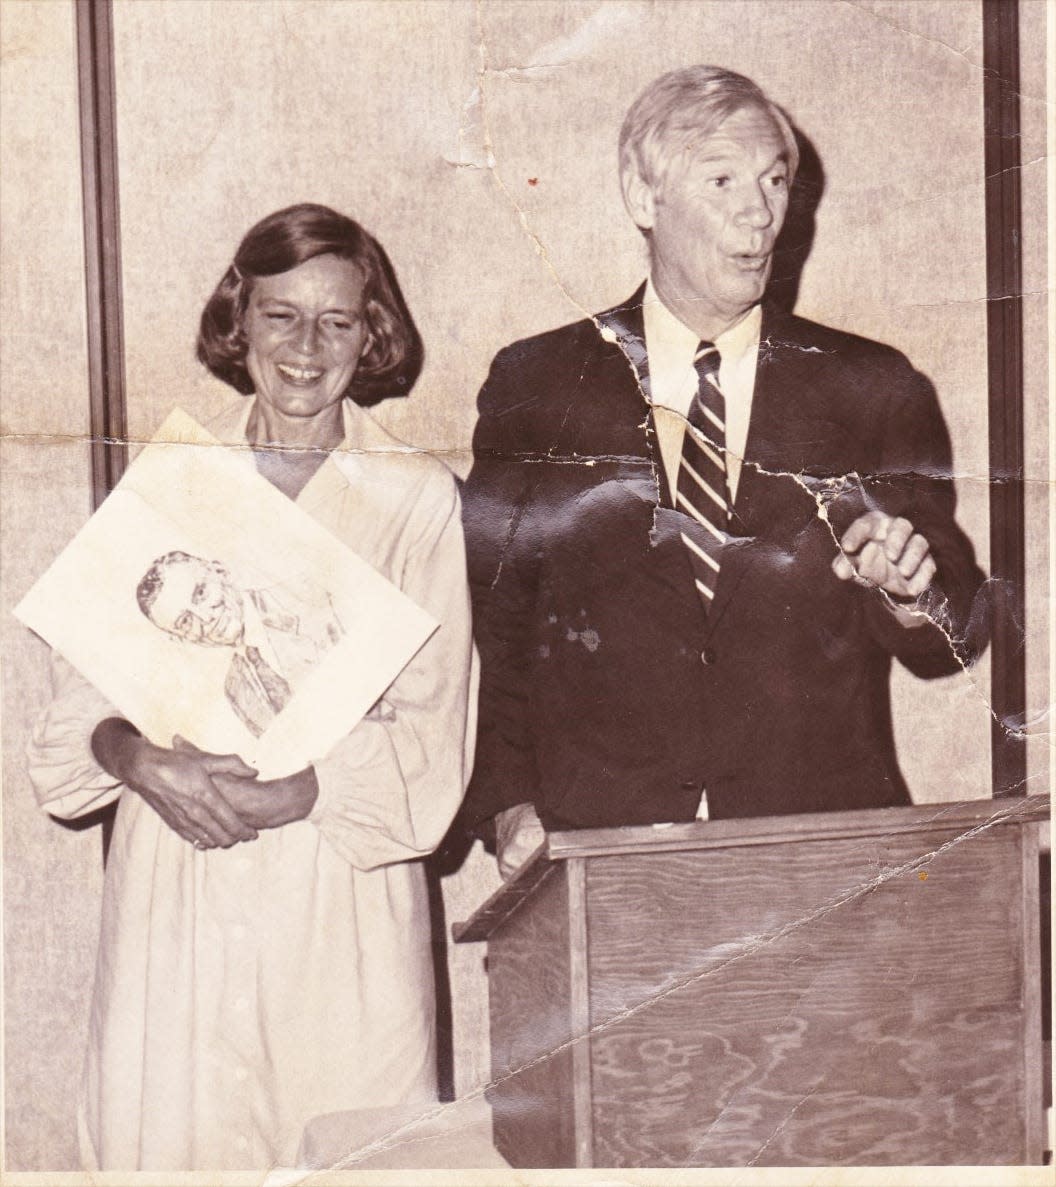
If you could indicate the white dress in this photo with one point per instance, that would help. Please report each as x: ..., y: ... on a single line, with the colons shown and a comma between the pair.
x: 240, y: 992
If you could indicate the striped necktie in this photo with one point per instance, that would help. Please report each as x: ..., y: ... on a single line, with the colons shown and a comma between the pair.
x: 702, y: 491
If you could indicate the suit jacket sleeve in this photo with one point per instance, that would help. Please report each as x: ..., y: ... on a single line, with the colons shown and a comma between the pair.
x: 914, y: 479
x: 502, y: 546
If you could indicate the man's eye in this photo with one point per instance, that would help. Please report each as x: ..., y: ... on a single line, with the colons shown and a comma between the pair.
x: 199, y: 593
x: 184, y: 624
x: 721, y: 182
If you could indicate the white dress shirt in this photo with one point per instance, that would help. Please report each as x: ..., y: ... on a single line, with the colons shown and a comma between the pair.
x: 671, y: 346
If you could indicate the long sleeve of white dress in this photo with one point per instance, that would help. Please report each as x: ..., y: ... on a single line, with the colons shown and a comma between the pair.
x: 66, y: 778
x: 389, y: 790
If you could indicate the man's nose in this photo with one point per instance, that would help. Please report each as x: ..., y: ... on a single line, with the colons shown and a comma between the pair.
x: 755, y: 211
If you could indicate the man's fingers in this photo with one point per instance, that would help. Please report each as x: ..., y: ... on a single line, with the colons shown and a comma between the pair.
x: 514, y: 856
x: 913, y: 556
x: 884, y: 550
x: 871, y: 564
x: 865, y: 527
x: 920, y: 580
x: 843, y: 568
x: 896, y: 538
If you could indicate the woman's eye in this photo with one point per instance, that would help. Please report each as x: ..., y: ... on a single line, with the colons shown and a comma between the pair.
x: 339, y: 323
x: 277, y: 315
x: 720, y: 183
x: 778, y: 180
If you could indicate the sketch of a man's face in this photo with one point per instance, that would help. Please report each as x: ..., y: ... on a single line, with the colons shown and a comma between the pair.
x: 195, y: 600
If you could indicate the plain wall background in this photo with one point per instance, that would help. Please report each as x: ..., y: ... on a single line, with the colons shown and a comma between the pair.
x: 478, y: 144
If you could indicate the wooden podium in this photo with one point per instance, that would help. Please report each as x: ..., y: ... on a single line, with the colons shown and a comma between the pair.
x: 831, y: 989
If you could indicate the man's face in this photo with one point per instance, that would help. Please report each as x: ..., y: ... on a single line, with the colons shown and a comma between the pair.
x: 716, y: 217
x: 197, y: 602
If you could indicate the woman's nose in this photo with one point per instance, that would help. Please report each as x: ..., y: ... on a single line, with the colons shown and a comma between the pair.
x: 307, y: 336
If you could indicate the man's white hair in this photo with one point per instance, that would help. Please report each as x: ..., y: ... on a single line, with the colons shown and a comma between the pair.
x: 679, y: 109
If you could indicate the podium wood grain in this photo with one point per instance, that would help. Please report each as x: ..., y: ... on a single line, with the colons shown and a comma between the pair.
x: 794, y: 992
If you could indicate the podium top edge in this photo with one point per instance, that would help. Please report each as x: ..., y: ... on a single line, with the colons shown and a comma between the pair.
x: 808, y: 826
x: 967, y: 815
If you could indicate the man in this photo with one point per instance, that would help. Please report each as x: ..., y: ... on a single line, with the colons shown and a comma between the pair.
x: 700, y: 528
x: 195, y: 600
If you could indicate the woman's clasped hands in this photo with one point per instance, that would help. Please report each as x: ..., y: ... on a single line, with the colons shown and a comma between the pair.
x: 211, y: 800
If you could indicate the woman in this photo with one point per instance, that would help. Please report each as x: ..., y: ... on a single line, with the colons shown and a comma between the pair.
x: 265, y: 949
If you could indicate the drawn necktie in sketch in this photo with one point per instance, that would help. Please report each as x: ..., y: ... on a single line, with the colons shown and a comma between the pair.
x: 276, y: 634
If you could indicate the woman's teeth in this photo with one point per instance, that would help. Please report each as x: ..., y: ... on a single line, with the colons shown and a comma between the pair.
x: 299, y: 374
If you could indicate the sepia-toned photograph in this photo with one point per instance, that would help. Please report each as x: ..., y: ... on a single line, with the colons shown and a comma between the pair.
x: 526, y: 602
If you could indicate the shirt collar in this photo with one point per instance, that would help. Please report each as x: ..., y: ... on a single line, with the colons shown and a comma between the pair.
x: 673, y: 336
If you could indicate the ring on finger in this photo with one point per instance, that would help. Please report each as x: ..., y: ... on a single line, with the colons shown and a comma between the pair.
x: 199, y: 844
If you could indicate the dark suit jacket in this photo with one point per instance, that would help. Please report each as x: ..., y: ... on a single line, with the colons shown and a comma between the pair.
x: 607, y: 697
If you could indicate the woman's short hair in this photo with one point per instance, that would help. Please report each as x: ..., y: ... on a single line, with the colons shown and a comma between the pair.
x: 678, y: 109
x: 393, y: 356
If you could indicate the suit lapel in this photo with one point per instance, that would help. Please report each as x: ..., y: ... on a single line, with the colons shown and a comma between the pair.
x: 625, y: 327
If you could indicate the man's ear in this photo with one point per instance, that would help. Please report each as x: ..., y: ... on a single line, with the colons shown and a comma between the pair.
x: 638, y: 197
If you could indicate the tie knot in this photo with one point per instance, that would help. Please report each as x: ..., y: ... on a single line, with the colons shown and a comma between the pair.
x: 707, y: 359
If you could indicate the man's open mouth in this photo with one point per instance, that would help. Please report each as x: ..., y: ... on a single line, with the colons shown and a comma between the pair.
x: 751, y: 263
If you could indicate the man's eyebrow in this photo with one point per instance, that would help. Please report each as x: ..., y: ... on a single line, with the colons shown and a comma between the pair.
x: 720, y: 158
x: 711, y: 158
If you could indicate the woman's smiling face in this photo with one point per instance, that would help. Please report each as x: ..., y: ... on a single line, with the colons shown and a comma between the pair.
x: 305, y: 332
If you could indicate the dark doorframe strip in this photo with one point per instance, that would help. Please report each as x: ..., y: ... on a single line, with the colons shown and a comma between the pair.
x: 108, y: 422
x: 102, y: 245
x: 1004, y: 344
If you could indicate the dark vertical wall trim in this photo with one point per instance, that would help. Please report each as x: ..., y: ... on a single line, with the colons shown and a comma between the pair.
x: 108, y: 423
x: 102, y: 244
x: 1004, y: 325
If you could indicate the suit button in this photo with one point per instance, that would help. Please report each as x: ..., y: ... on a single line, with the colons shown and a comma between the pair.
x: 707, y: 656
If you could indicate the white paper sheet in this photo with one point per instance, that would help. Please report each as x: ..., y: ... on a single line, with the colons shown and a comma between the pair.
x: 304, y: 594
